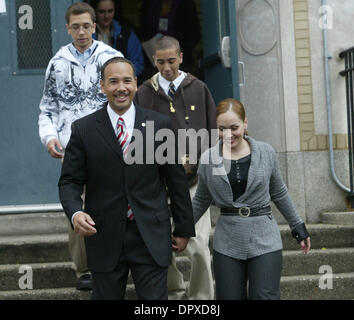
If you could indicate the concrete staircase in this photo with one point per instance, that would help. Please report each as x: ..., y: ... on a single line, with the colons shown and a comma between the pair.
x: 39, y: 241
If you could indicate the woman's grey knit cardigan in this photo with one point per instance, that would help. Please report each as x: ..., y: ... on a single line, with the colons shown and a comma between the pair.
x: 236, y: 236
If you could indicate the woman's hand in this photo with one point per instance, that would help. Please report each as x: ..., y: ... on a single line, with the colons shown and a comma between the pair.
x: 305, y: 245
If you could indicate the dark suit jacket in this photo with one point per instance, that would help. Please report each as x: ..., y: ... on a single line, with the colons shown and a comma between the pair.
x: 94, y: 158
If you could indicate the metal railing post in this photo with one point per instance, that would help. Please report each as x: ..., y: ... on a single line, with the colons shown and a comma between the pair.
x: 348, y: 56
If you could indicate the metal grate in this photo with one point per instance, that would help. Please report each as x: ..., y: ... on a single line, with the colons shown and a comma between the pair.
x: 34, y: 35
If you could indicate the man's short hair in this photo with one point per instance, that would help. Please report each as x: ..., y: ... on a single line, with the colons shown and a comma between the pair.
x: 166, y: 43
x: 116, y: 60
x: 80, y: 8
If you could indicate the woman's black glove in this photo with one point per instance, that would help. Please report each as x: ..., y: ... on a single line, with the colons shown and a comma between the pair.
x: 300, y: 232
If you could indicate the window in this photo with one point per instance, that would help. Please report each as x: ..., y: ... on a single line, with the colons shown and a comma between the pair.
x: 33, y: 35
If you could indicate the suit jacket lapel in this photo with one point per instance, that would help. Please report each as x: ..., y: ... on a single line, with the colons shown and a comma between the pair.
x: 104, y: 127
x: 138, y: 148
x: 140, y: 120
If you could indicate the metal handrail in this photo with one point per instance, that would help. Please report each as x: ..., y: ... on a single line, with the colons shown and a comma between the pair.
x: 326, y: 58
x: 348, y: 73
x: 36, y: 208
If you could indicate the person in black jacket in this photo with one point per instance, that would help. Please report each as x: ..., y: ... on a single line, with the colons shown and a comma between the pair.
x: 117, y: 34
x: 126, y: 217
x: 176, y: 18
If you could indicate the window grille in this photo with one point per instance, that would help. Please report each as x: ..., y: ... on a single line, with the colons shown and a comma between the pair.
x: 34, y: 34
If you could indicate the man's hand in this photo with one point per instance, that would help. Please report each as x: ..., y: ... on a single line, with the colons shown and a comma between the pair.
x: 53, y: 146
x: 179, y: 244
x: 83, y: 224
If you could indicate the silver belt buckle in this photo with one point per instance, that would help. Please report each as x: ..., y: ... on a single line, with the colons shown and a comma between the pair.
x: 247, y: 211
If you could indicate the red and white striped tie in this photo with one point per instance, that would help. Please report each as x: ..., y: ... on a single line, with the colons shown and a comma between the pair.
x: 122, y: 138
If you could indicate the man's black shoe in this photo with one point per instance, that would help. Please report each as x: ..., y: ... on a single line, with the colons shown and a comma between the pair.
x: 84, y: 283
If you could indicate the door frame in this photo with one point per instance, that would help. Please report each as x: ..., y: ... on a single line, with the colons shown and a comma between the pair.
x: 223, y: 24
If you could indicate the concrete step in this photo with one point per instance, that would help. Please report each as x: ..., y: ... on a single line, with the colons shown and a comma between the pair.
x: 292, y: 288
x: 341, y: 260
x: 322, y: 236
x: 54, y: 248
x: 309, y: 287
x: 54, y: 274
x: 57, y: 222
x: 37, y: 276
x: 69, y: 293
x: 339, y: 218
x: 33, y: 224
x: 54, y: 277
x: 305, y: 287
x: 34, y: 249
x: 16, y: 224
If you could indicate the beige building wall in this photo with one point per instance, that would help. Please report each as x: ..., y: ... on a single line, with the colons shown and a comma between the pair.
x: 308, y: 21
x: 285, y: 96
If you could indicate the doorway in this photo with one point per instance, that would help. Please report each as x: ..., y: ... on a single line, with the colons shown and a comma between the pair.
x: 28, y: 175
x: 217, y: 21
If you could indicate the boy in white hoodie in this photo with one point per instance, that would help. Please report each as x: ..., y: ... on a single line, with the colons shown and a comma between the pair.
x: 72, y: 91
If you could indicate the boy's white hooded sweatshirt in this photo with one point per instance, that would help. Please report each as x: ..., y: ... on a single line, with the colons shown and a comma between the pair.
x: 71, y: 91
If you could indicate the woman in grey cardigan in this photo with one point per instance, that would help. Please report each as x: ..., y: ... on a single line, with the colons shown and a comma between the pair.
x: 241, y: 176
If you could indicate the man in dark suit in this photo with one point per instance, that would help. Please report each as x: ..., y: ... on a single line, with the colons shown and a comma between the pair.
x: 96, y: 158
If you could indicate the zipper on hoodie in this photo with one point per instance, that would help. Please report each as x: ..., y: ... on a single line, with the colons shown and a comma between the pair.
x: 86, y: 81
